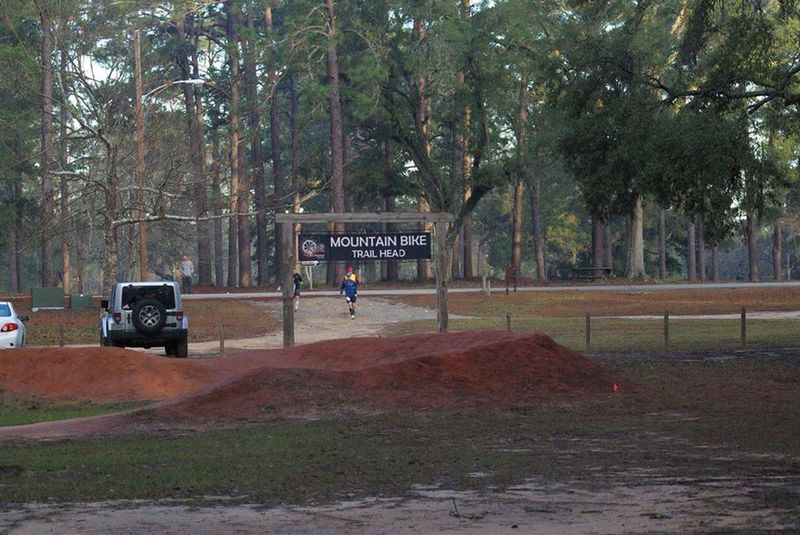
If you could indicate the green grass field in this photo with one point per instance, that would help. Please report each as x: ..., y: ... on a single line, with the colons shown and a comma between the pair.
x: 21, y: 412
x: 706, y: 411
x: 619, y: 320
x: 681, y: 427
x: 610, y: 334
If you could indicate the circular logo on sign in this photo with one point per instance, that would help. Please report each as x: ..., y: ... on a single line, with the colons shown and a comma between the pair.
x: 309, y: 247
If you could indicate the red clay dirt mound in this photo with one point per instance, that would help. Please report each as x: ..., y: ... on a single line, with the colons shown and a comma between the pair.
x: 451, y: 370
x: 431, y: 371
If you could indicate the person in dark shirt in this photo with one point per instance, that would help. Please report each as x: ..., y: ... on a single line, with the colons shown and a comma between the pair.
x: 297, y: 282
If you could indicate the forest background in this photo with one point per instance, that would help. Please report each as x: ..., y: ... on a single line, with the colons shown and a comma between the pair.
x: 659, y: 138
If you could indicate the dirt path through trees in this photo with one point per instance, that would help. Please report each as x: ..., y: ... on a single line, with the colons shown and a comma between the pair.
x: 326, y: 318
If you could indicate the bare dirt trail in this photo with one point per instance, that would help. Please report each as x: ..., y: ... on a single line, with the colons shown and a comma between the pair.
x: 533, y: 507
x: 326, y: 318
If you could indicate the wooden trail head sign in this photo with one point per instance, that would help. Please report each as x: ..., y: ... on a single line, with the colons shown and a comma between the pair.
x: 382, y: 246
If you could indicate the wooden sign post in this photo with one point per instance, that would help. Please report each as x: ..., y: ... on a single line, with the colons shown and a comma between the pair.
x: 440, y: 220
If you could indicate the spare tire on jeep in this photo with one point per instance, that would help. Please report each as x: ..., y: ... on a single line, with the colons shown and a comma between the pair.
x: 149, y: 316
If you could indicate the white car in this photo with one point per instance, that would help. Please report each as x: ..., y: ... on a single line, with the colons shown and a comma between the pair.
x: 12, y: 327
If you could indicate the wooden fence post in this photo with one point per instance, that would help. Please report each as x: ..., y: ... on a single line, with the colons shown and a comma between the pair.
x: 508, y: 322
x: 286, y: 272
x: 588, y: 331
x: 666, y: 328
x: 743, y: 327
x: 222, y: 338
x: 61, y: 335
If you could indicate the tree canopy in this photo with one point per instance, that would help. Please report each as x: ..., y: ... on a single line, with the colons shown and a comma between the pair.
x: 635, y: 127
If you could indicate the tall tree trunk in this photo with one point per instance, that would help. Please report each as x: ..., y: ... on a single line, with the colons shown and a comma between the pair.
x: 752, y: 246
x: 111, y: 191
x: 347, y: 166
x: 626, y: 245
x: 80, y: 254
x: 598, y: 230
x: 444, y: 256
x: 233, y: 255
x: 279, y: 179
x: 701, y: 250
x: 777, y: 251
x: 468, y: 238
x: 243, y: 205
x: 234, y: 252
x: 424, y: 267
x: 12, y: 273
x: 715, y: 262
x: 662, y: 243
x: 392, y: 266
x: 608, y: 241
x: 635, y: 258
x: 458, y: 175
x: 519, y: 179
x: 691, y: 252
x: 534, y: 190
x: 64, y: 186
x: 516, y: 227
x: 423, y: 120
x: 467, y: 230
x: 457, y: 262
x: 217, y: 204
x: 49, y: 278
x: 14, y: 268
x: 141, y: 170
x: 189, y: 65
x: 457, y: 180
x: 457, y: 257
x: 385, y: 229
x: 199, y: 170
x: 257, y: 163
x: 336, y: 269
x: 294, y: 127
x: 243, y: 208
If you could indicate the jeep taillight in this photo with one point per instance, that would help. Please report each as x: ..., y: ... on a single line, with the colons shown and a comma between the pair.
x: 8, y: 327
x: 179, y: 315
x: 117, y: 317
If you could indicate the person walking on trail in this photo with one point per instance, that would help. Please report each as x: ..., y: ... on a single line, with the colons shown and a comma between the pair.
x: 187, y: 270
x: 350, y: 291
x: 297, y: 281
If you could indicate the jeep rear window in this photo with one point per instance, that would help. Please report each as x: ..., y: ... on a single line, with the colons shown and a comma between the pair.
x: 5, y: 310
x: 134, y: 294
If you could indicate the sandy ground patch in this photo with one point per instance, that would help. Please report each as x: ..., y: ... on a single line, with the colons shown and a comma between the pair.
x: 326, y: 318
x: 534, y: 507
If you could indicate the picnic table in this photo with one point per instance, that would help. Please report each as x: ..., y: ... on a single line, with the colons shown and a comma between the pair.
x: 591, y: 273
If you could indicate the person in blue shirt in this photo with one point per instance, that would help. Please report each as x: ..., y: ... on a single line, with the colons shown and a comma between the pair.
x: 350, y: 290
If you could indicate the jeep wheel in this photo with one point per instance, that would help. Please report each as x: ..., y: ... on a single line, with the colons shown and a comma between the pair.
x: 182, y: 349
x: 149, y: 316
x: 169, y: 349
